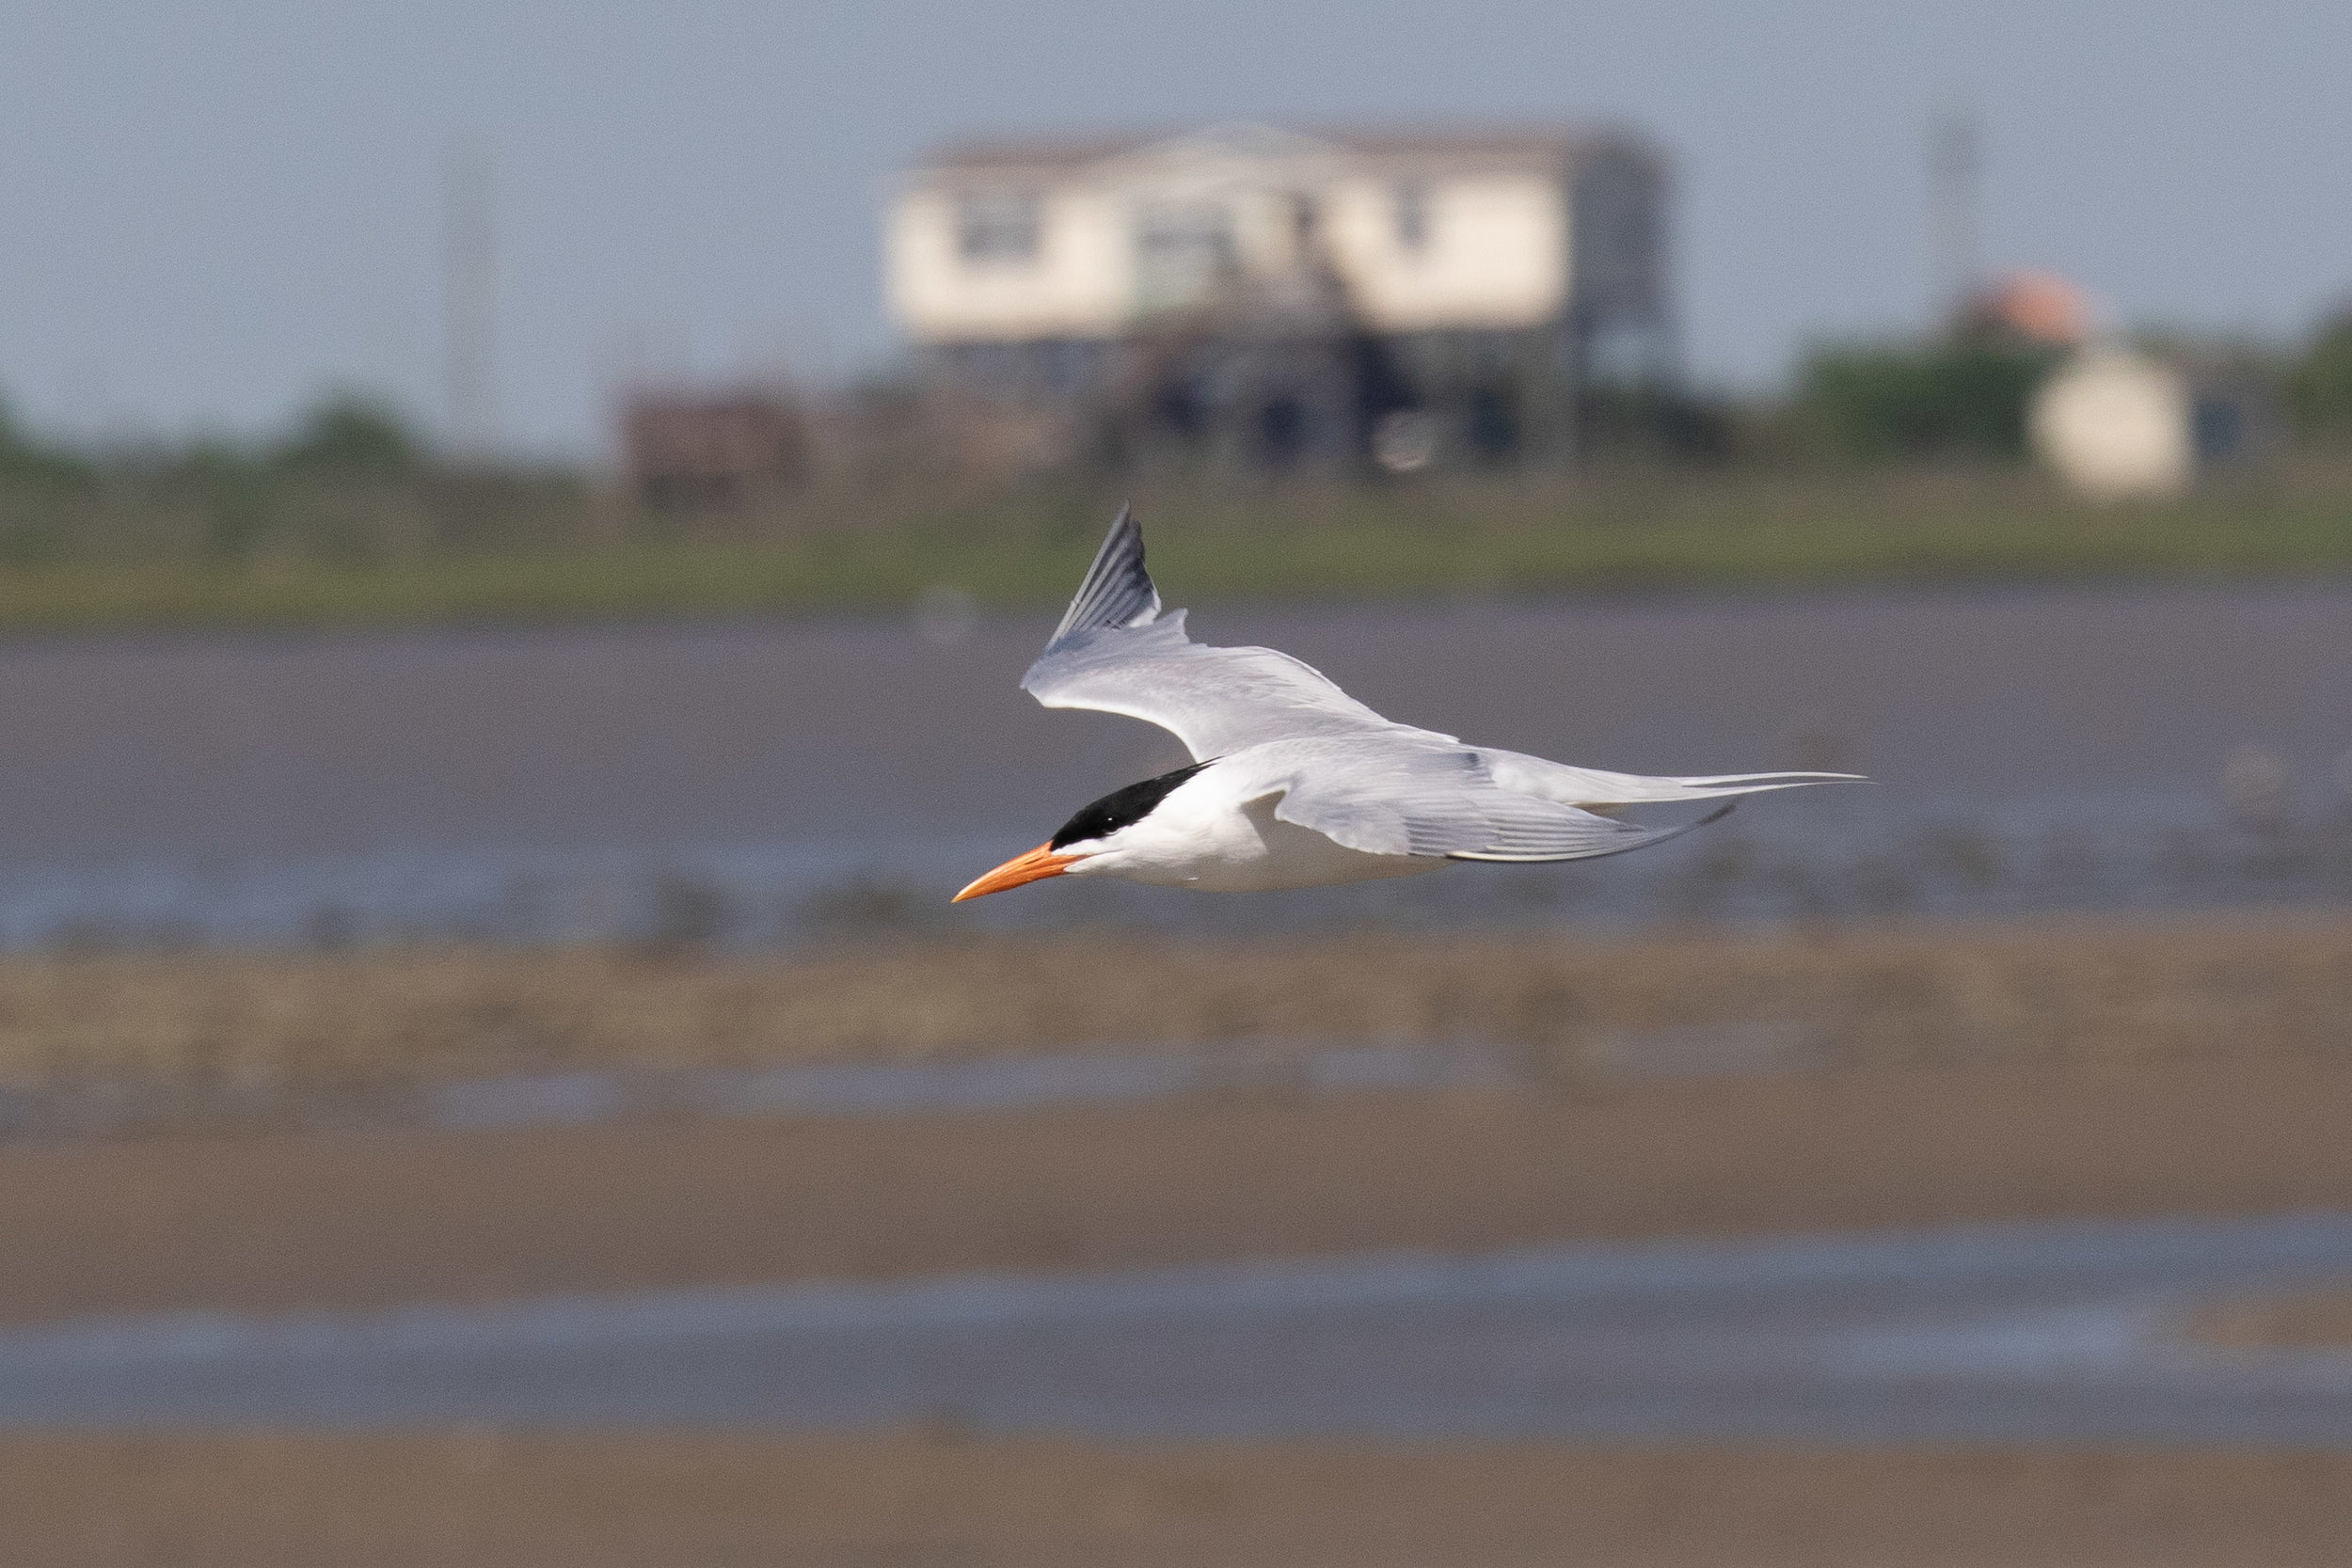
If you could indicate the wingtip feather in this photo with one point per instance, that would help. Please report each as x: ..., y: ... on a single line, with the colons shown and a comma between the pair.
x: 1117, y: 590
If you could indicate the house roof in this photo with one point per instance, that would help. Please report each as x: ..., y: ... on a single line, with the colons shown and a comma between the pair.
x: 1544, y: 145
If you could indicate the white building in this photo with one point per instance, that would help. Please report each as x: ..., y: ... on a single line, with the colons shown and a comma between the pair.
x: 1271, y: 296
x: 2116, y: 425
x: 2121, y: 423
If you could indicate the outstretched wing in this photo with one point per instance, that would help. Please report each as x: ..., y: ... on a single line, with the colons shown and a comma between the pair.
x: 1117, y: 651
x: 1416, y: 793
x: 1436, y: 801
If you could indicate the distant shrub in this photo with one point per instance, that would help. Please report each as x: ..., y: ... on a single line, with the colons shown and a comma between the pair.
x: 2319, y: 384
x: 348, y: 435
x: 24, y: 457
x: 1959, y: 398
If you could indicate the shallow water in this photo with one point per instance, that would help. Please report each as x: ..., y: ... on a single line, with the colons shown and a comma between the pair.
x: 2054, y: 1331
x: 777, y: 781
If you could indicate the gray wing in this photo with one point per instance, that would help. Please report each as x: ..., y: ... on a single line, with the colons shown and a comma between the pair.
x: 1117, y: 651
x: 1432, y: 801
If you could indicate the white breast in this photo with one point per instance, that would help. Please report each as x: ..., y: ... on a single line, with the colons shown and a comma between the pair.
x: 1206, y: 835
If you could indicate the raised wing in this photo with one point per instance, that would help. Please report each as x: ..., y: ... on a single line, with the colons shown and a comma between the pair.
x: 1116, y: 651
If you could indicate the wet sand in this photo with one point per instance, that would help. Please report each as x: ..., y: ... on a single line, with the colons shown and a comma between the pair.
x: 2110, y: 992
x: 1694, y: 1084
x: 2296, y: 1320
x: 1908, y: 1076
x: 354, y: 1218
x: 595, y: 1501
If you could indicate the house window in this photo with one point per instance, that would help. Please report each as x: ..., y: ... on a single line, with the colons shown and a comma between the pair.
x: 1412, y: 217
x: 1184, y: 253
x: 993, y: 227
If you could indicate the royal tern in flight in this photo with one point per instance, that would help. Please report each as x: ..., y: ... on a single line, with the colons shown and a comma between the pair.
x: 1293, y: 783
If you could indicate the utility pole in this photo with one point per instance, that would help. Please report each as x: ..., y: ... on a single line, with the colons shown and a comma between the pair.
x: 1955, y: 183
x: 470, y: 297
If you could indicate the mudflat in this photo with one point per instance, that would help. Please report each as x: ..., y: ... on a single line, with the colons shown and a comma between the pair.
x: 622, y: 1502
x: 2110, y: 992
x: 367, y: 1217
x: 1678, y: 1085
x: 1912, y: 1075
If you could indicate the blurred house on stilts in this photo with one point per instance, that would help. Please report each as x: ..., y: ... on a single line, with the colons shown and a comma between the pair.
x: 1251, y: 299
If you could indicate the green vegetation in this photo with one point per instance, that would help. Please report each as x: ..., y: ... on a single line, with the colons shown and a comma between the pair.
x: 2318, y: 385
x: 1963, y: 397
x: 453, y: 549
x: 26, y: 462
x: 351, y: 435
x: 1885, y: 464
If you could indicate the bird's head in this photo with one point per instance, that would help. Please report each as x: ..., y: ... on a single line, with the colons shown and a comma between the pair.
x: 1099, y: 838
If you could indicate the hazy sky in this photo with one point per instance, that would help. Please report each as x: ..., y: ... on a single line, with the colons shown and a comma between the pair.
x: 212, y: 211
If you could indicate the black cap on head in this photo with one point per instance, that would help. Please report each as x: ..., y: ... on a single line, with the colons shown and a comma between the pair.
x: 1122, y: 808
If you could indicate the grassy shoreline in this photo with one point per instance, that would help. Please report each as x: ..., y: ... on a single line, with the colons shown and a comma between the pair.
x: 1625, y: 532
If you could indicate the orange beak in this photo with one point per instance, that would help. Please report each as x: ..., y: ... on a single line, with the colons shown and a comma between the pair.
x: 1040, y: 862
